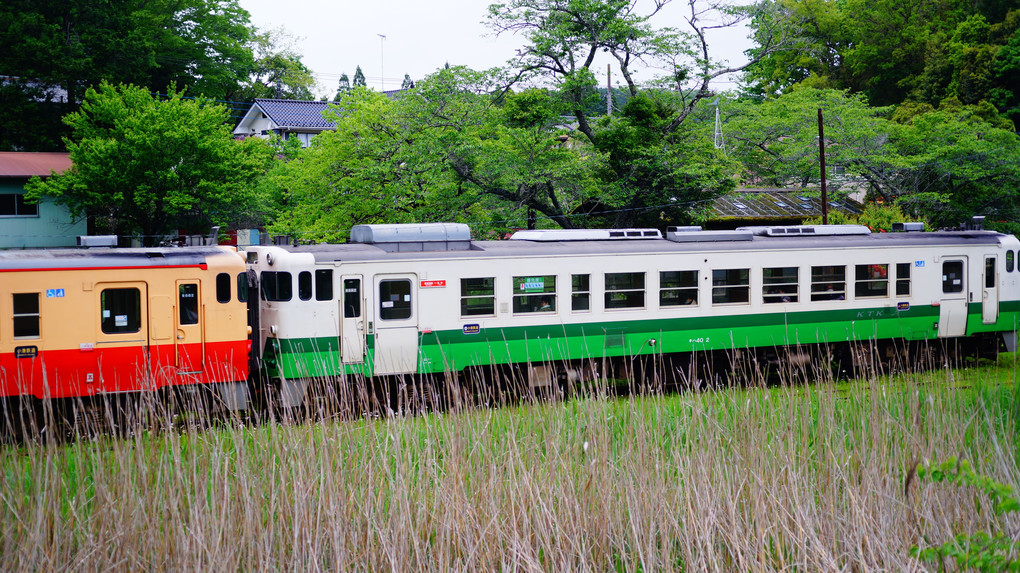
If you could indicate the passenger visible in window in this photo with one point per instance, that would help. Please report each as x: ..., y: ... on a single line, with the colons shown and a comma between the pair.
x: 544, y: 305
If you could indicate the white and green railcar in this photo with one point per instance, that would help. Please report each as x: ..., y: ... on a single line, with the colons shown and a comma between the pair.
x: 424, y: 299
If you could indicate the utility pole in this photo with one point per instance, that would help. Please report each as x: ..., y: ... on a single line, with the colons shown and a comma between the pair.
x: 609, y: 90
x: 821, y: 157
x: 382, y: 62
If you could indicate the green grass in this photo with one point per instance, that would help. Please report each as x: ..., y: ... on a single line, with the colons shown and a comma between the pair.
x: 795, y: 476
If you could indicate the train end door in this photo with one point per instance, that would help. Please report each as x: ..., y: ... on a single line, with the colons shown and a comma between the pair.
x: 396, y: 325
x: 352, y: 321
x: 189, y: 343
x: 953, y: 300
x: 990, y: 292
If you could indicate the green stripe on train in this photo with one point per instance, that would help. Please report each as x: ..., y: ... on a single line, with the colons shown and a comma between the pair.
x: 455, y: 349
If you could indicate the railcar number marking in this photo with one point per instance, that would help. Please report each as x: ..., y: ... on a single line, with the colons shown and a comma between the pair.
x: 700, y: 340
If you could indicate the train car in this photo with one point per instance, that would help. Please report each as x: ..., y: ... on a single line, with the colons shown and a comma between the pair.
x: 84, y: 322
x: 426, y: 299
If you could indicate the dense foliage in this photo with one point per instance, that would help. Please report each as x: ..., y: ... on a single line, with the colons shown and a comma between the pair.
x: 924, y: 51
x: 147, y: 166
x: 52, y: 52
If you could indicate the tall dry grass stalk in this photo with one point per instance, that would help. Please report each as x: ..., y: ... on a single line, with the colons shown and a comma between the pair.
x: 792, y: 477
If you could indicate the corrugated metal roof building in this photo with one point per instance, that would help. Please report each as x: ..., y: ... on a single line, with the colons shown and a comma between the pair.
x: 746, y: 207
x: 24, y: 224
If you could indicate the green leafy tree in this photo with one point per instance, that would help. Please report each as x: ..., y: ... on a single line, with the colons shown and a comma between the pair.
x: 65, y: 47
x: 443, y: 151
x: 343, y: 86
x: 564, y: 38
x: 359, y: 78
x: 144, y: 165
x: 277, y: 71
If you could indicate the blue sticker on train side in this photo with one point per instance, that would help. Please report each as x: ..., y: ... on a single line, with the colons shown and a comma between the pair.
x: 472, y: 328
x: 54, y: 293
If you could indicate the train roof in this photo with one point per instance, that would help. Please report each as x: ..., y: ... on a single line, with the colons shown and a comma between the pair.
x: 354, y: 252
x: 55, y: 259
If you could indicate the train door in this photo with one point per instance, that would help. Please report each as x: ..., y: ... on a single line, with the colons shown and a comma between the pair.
x: 396, y: 327
x: 189, y: 343
x: 352, y: 320
x: 123, y: 338
x: 953, y: 302
x: 990, y: 292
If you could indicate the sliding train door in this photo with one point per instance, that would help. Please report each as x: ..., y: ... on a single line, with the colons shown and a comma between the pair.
x: 396, y: 326
x: 990, y: 291
x: 953, y: 301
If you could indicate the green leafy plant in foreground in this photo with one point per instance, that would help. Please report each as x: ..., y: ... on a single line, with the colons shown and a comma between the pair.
x: 979, y: 551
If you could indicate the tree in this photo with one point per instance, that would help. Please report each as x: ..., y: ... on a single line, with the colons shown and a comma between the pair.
x: 441, y: 152
x: 359, y: 78
x: 277, y: 71
x: 564, y: 38
x: 893, y: 52
x: 343, y: 87
x: 145, y: 165
x: 66, y: 47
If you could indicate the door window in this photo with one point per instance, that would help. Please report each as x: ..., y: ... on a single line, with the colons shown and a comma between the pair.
x: 352, y: 298
x: 395, y: 299
x: 187, y: 295
x: 952, y: 276
x: 121, y: 310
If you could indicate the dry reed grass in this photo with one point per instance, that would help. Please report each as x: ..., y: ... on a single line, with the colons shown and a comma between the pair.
x: 794, y: 477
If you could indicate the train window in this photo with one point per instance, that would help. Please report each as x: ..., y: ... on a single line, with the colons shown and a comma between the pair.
x: 678, y: 288
x: 871, y: 281
x: 903, y: 279
x: 731, y: 286
x: 121, y: 310
x: 223, y: 287
x: 828, y: 283
x: 535, y: 294
x: 990, y: 272
x: 277, y: 286
x: 304, y: 285
x: 324, y: 284
x: 394, y: 299
x: 1009, y: 261
x: 26, y: 315
x: 952, y: 276
x: 625, y: 290
x: 780, y: 284
x: 580, y: 293
x: 352, y: 298
x: 478, y: 297
x: 242, y: 287
x: 187, y: 297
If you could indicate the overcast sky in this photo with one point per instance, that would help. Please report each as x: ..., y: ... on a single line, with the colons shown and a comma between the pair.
x: 334, y: 37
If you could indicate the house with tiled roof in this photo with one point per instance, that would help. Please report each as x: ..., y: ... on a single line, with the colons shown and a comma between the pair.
x: 758, y: 207
x: 24, y: 224
x: 285, y: 117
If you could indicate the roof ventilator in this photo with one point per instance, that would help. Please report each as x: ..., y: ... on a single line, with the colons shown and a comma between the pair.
x: 548, y: 235
x: 400, y: 238
x: 696, y: 235
x: 808, y: 230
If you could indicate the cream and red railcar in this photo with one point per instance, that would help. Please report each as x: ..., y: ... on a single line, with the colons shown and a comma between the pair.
x: 86, y: 322
x: 426, y: 299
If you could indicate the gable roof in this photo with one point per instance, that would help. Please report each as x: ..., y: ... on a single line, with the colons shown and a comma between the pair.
x: 24, y: 164
x: 286, y: 115
x: 746, y: 204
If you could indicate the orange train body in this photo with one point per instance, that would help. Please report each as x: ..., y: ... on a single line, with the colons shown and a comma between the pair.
x: 86, y: 322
